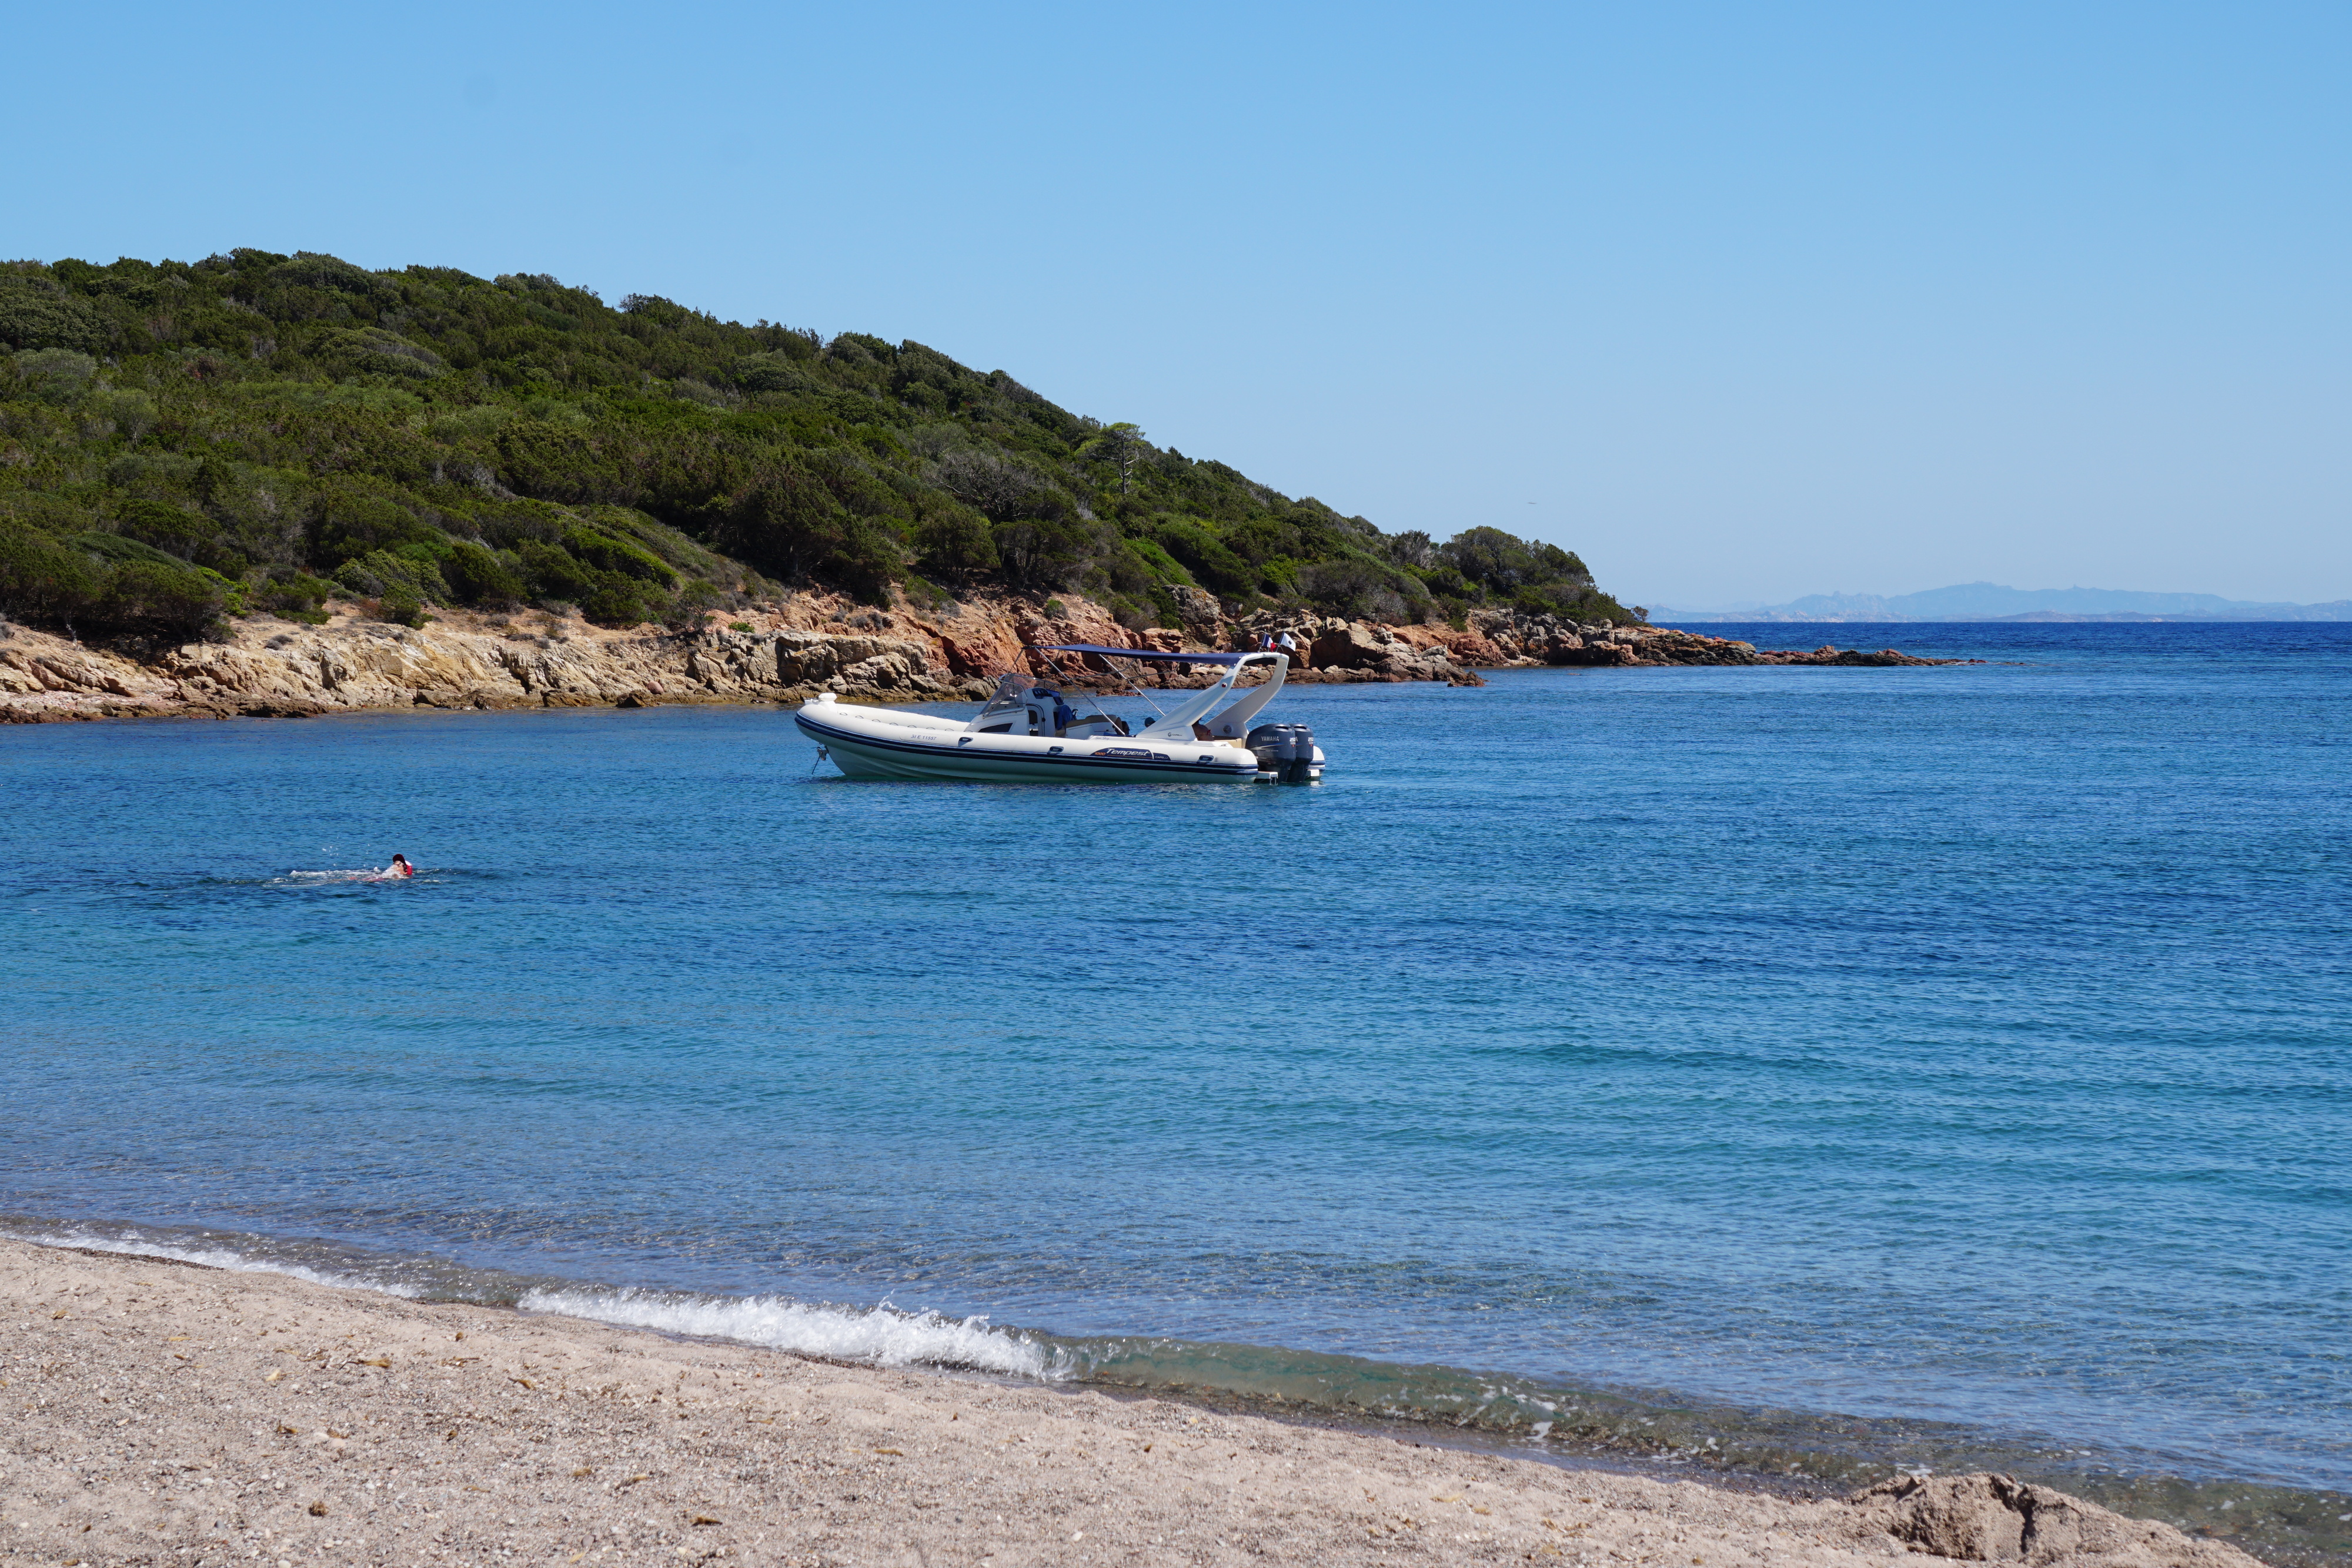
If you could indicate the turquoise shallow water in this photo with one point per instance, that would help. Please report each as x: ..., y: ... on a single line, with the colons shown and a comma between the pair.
x: 1840, y: 1067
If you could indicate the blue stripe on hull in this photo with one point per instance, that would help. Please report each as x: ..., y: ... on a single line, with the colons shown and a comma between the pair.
x: 870, y: 756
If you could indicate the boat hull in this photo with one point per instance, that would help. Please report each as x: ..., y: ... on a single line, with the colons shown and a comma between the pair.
x: 874, y: 749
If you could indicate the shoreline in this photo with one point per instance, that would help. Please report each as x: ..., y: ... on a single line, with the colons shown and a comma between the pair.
x: 176, y: 1411
x: 787, y: 652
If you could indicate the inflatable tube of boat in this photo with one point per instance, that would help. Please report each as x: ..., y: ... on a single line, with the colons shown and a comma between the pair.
x: 883, y: 743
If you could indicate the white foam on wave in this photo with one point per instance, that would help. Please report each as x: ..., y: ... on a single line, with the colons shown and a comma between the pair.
x: 880, y: 1336
x: 220, y: 1258
x: 318, y: 878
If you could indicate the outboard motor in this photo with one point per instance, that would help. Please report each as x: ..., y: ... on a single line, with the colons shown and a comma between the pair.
x: 1299, y: 768
x: 1285, y: 750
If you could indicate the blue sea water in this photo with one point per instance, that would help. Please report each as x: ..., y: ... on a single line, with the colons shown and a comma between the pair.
x: 1835, y: 1067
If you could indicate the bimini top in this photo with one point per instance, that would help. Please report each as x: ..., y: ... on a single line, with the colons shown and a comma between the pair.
x: 1141, y: 653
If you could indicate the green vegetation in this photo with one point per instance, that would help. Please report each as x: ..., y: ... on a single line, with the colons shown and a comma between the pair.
x: 185, y: 442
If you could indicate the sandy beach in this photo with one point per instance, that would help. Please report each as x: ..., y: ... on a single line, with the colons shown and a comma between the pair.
x: 158, y: 1412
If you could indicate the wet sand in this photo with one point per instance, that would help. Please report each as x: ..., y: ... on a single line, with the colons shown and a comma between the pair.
x: 155, y: 1412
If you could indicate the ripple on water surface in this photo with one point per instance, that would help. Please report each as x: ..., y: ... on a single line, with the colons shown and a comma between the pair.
x: 1951, y: 1058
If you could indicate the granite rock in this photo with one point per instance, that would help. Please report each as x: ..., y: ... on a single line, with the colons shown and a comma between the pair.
x: 1991, y: 1517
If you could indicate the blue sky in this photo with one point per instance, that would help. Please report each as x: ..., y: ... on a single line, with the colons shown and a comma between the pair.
x: 1741, y: 302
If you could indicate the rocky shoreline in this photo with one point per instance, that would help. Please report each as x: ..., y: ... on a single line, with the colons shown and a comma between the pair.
x: 268, y: 668
x: 1503, y: 640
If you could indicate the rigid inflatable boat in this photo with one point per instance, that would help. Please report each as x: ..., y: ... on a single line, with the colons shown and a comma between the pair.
x: 1028, y: 732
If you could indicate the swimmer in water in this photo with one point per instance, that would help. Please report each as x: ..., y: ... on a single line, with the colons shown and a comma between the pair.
x: 400, y: 867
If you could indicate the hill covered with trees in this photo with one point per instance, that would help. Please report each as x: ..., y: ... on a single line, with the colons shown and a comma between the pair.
x: 254, y: 433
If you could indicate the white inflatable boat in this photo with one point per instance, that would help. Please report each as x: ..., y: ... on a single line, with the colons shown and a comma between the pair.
x: 1029, y: 732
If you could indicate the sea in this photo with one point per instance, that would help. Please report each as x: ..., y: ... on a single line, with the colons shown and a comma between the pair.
x: 1777, y: 1075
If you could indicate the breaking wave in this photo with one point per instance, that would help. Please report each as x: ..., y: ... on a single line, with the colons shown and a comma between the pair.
x: 880, y: 1336
x: 241, y: 1258
x: 2298, y: 1527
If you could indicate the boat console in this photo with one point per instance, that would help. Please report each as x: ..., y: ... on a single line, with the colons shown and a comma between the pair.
x: 1022, y: 705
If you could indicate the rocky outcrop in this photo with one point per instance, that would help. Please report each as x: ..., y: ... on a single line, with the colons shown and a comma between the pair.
x: 1994, y: 1519
x: 1198, y: 608
x: 1528, y: 640
x: 272, y: 669
x: 1503, y: 638
x: 811, y: 642
x: 1383, y: 652
x: 852, y: 663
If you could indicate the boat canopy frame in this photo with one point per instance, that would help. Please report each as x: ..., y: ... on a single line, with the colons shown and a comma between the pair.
x: 1153, y: 655
x: 1189, y: 720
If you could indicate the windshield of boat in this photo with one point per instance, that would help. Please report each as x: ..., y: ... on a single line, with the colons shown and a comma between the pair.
x: 1012, y: 694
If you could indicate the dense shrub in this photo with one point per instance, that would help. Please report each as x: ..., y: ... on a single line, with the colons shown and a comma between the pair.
x: 771, y: 373
x: 795, y: 524
x: 1570, y: 600
x: 260, y: 429
x: 1502, y: 564
x: 55, y: 374
x: 295, y: 595
x: 331, y: 275
x: 1412, y: 547
x: 692, y: 605
x: 403, y: 605
x: 1002, y: 487
x: 619, y: 602
x: 785, y: 524
x: 1213, y: 564
x: 552, y: 575
x: 477, y: 576
x: 164, y: 600
x: 351, y: 521
x: 103, y: 585
x: 608, y: 554
x: 42, y: 579
x: 1157, y: 565
x: 1358, y: 587
x: 559, y: 462
x: 37, y: 313
x: 373, y: 351
x: 953, y: 541
x: 410, y: 570
x: 172, y: 529
x: 1050, y: 552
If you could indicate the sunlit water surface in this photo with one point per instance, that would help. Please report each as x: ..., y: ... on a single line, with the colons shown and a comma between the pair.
x: 1960, y: 1050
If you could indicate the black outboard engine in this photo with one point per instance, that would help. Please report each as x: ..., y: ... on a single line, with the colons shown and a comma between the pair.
x: 1285, y: 750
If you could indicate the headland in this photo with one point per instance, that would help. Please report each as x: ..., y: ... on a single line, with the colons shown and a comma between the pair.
x: 262, y: 484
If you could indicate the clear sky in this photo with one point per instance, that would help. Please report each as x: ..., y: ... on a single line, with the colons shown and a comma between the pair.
x: 1740, y: 301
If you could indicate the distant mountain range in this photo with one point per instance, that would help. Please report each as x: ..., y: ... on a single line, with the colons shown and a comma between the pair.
x: 1992, y: 601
